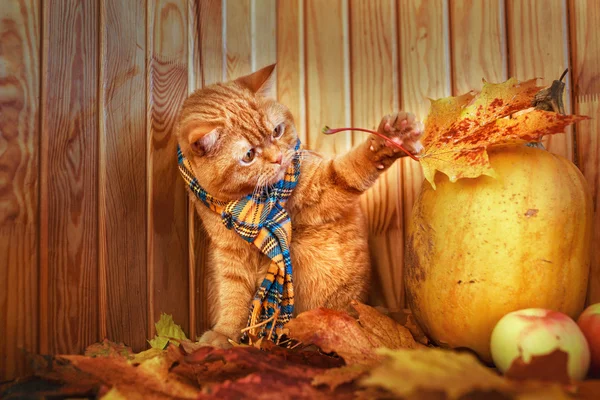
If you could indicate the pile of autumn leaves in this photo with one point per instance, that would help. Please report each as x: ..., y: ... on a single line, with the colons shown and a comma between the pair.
x: 337, y: 356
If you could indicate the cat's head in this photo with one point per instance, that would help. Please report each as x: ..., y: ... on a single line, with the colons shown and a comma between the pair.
x: 236, y: 135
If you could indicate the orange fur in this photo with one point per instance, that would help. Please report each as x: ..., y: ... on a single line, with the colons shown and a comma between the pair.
x: 329, y: 250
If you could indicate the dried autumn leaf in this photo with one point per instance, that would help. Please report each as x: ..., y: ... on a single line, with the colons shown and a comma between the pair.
x: 354, y: 341
x: 249, y: 358
x: 106, y: 348
x: 49, y: 376
x: 36, y: 388
x: 433, y: 370
x: 116, y: 394
x: 406, y: 318
x: 262, y: 385
x: 150, y: 379
x: 588, y: 390
x: 536, y: 391
x: 166, y: 330
x: 146, y: 355
x: 338, y: 376
x: 374, y: 393
x: 550, y: 367
x: 458, y: 130
x: 248, y: 372
x: 434, y: 373
x: 384, y: 329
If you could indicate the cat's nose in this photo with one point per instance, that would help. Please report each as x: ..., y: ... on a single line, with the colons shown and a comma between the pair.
x: 277, y: 159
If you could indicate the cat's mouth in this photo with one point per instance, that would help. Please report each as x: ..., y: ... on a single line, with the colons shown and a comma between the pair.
x: 279, y: 174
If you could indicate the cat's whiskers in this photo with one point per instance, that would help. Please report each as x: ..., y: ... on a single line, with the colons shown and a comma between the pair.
x: 304, y: 153
x: 259, y: 184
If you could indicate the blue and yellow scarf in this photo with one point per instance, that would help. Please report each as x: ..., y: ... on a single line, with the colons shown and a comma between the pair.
x: 262, y: 220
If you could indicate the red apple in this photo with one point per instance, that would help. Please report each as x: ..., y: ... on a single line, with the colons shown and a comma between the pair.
x: 522, y: 334
x: 589, y: 323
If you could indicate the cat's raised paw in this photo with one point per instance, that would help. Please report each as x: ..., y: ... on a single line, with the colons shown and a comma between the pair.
x: 215, y: 339
x: 401, y: 127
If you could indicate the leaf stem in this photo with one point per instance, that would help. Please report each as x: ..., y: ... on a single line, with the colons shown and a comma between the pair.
x: 329, y: 131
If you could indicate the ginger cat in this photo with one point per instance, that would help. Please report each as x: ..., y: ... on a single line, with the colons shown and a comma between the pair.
x: 238, y: 140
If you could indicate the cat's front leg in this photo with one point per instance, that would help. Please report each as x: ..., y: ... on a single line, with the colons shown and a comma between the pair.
x: 230, y: 298
x: 361, y: 167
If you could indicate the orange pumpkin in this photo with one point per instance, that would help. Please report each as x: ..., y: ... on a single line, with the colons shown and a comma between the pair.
x: 480, y: 248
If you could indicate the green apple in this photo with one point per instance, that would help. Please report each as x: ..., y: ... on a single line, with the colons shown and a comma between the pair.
x: 536, y: 332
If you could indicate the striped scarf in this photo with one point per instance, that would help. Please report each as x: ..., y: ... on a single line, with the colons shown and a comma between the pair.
x: 262, y: 220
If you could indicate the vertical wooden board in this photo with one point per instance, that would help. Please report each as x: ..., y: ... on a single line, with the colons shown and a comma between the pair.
x: 374, y: 88
x: 19, y: 134
x: 424, y: 73
x: 210, y: 47
x: 167, y: 199
x: 212, y: 41
x: 199, y: 243
x: 585, y: 38
x: 122, y: 174
x: 69, y: 175
x: 327, y: 74
x: 538, y: 47
x: 264, y: 44
x: 194, y: 46
x: 238, y: 37
x: 290, y: 60
x: 194, y: 83
x: 478, y: 42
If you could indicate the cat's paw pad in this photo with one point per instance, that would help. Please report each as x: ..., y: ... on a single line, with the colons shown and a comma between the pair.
x: 402, y: 128
x: 215, y: 339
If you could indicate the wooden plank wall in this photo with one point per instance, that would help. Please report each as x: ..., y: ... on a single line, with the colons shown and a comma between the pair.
x: 97, y: 237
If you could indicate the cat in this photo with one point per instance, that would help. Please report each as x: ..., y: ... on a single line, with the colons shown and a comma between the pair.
x: 238, y: 139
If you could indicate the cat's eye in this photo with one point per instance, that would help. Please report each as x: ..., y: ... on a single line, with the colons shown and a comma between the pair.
x: 249, y: 156
x: 278, y: 131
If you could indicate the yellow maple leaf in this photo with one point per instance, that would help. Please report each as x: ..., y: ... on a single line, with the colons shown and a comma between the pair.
x: 417, y: 373
x: 115, y: 394
x: 146, y: 355
x: 458, y: 130
x: 166, y: 330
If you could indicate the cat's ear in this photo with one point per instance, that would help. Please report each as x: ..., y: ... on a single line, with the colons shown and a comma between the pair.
x: 261, y: 82
x: 201, y: 136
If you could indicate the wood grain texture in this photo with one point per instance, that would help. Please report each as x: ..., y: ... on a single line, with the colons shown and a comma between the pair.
x: 264, y: 29
x: 69, y: 228
x: 290, y: 61
x: 122, y: 179
x: 194, y: 46
x: 423, y: 28
x: 374, y: 87
x: 95, y: 234
x: 194, y: 83
x: 538, y: 47
x: 238, y: 37
x: 327, y: 92
x: 20, y: 42
x: 478, y: 40
x: 167, y: 32
x: 585, y: 39
x: 212, y: 41
x: 199, y: 243
x: 210, y: 46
